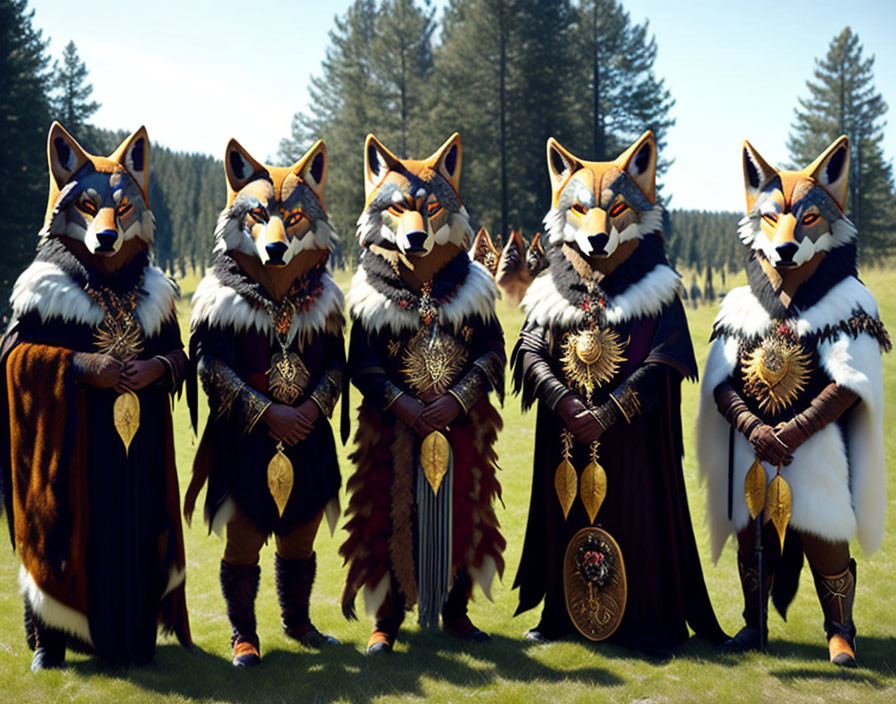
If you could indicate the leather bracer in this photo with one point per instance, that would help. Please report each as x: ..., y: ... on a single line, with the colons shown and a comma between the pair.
x: 228, y: 394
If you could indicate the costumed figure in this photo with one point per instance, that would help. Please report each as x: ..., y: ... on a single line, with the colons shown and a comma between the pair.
x: 268, y: 347
x: 91, y: 357
x: 791, y: 408
x: 609, y: 544
x: 515, y: 266
x: 426, y: 349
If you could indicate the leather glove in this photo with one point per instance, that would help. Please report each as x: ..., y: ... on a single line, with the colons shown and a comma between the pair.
x: 578, y: 419
x: 767, y: 445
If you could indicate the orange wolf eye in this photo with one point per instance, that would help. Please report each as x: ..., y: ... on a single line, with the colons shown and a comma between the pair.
x: 433, y: 208
x: 87, y: 206
x: 123, y: 207
x: 810, y: 219
x: 618, y: 209
x: 770, y: 218
x: 294, y: 219
x: 580, y: 209
x: 397, y: 209
x: 259, y: 214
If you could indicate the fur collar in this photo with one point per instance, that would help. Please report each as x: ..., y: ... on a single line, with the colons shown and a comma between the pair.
x: 378, y: 298
x: 849, y: 306
x: 641, y: 287
x: 228, y: 299
x: 54, y: 287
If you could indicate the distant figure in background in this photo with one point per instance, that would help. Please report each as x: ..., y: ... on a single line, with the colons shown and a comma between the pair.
x: 519, y: 265
x: 267, y: 344
x: 696, y: 293
x: 795, y: 370
x: 87, y: 475
x: 484, y: 251
x: 603, y: 350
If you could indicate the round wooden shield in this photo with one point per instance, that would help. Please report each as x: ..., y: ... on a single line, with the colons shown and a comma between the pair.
x: 594, y: 583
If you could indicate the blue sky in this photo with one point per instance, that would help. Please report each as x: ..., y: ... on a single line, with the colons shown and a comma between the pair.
x: 197, y: 72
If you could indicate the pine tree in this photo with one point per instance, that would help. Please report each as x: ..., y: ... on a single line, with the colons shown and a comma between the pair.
x: 71, y: 103
x: 623, y: 97
x: 24, y: 120
x: 843, y: 100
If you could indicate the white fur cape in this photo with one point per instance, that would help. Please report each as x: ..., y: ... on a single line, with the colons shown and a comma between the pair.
x: 838, y: 484
x: 476, y: 296
x: 45, y: 288
x: 545, y: 306
x: 223, y: 307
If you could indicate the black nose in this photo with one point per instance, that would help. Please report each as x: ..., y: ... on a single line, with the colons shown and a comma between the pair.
x: 275, y: 251
x: 786, y: 252
x: 106, y: 238
x: 598, y: 242
x: 416, y: 240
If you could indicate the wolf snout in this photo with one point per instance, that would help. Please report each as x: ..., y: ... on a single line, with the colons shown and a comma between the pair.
x: 786, y: 253
x: 106, y: 240
x: 416, y: 241
x: 598, y: 242
x: 275, y: 251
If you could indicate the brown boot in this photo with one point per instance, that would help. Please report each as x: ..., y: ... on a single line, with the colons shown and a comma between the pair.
x: 455, y: 621
x: 294, y: 581
x: 240, y: 586
x: 836, y: 594
x: 748, y: 637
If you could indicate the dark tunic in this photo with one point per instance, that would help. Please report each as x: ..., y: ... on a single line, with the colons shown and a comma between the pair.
x: 238, y: 456
x: 133, y: 537
x: 645, y: 509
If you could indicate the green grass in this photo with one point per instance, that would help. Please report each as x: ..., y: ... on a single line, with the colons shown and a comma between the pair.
x: 436, y: 668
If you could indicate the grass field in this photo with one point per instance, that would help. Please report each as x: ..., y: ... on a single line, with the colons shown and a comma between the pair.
x: 509, y: 669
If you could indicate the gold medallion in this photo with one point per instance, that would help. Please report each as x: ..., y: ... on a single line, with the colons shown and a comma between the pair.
x: 594, y: 583
x: 435, y: 453
x: 281, y: 477
x: 432, y: 360
x: 287, y: 377
x: 592, y: 357
x: 775, y: 373
x: 126, y: 417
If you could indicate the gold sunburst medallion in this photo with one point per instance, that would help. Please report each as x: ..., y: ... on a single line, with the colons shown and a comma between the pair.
x: 119, y: 336
x: 592, y: 357
x: 432, y: 361
x: 775, y: 373
x: 287, y: 377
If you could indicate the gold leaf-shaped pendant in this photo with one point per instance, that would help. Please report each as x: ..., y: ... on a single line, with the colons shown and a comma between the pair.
x: 778, y: 506
x: 435, y: 453
x: 593, y: 488
x: 755, y: 488
x: 126, y: 417
x: 565, y: 485
x: 281, y: 478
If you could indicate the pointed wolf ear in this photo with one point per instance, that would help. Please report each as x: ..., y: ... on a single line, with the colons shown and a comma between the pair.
x: 378, y: 161
x: 561, y: 165
x: 446, y: 160
x: 831, y: 170
x: 639, y: 161
x: 757, y: 173
x: 64, y: 155
x: 312, y: 168
x: 239, y: 168
x: 133, y: 154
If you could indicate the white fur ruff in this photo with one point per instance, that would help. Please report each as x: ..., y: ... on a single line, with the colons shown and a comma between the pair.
x: 51, y: 611
x: 43, y: 287
x: 839, y: 490
x: 545, y: 306
x: 223, y: 307
x: 476, y: 296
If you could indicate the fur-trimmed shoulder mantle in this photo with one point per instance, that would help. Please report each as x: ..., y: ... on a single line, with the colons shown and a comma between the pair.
x: 848, y: 307
x: 54, y: 287
x: 377, y: 299
x: 642, y: 287
x: 227, y: 299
